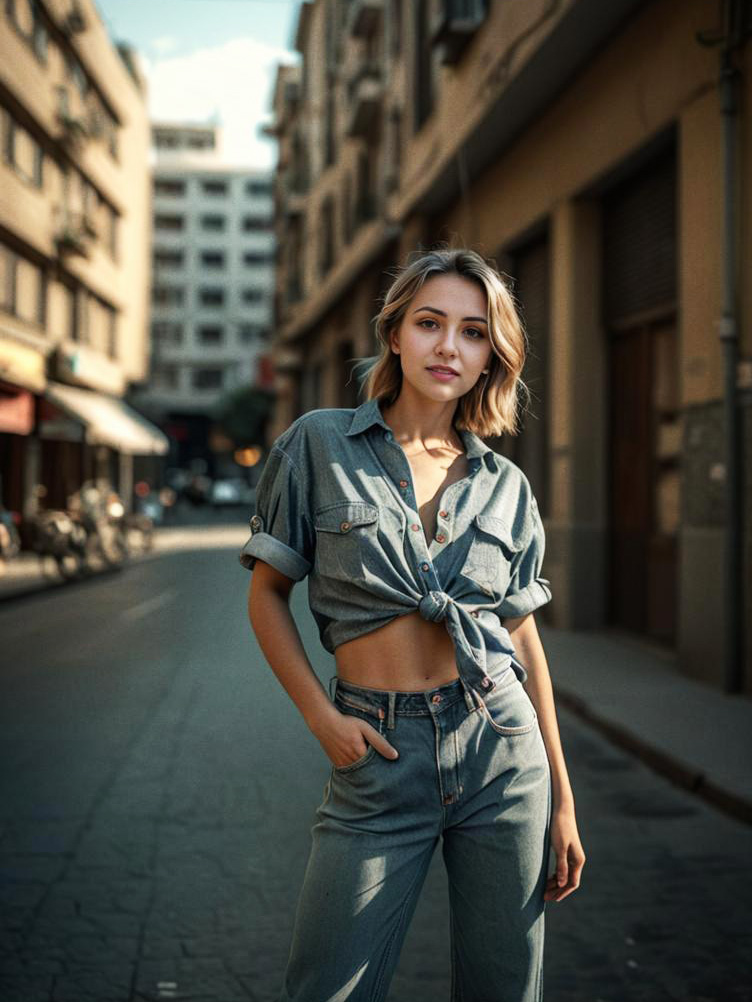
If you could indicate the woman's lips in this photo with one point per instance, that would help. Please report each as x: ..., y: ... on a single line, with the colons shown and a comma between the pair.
x: 443, y: 377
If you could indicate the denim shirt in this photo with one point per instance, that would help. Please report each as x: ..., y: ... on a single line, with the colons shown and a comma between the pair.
x: 336, y: 501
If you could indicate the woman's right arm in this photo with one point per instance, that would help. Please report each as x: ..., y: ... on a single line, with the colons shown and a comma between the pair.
x: 343, y: 738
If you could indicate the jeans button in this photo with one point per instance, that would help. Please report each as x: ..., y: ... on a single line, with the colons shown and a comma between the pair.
x: 436, y: 698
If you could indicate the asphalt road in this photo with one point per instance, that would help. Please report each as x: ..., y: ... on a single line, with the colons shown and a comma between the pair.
x: 158, y: 789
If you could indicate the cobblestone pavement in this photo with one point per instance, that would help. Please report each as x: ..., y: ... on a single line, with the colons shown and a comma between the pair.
x: 158, y: 789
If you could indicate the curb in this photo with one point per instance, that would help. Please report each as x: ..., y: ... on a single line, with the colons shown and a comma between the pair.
x: 660, y: 761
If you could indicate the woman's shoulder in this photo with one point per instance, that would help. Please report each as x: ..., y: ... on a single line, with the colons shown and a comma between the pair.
x: 315, y: 427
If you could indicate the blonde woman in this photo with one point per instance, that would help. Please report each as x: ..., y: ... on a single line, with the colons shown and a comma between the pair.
x: 424, y: 552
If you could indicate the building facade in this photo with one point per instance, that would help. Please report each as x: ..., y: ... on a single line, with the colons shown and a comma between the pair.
x: 582, y: 146
x: 212, y: 285
x: 74, y: 222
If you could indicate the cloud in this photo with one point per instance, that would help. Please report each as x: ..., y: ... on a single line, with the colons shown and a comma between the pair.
x: 165, y: 45
x: 231, y: 83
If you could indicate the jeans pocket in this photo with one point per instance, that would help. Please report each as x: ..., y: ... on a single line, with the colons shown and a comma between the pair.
x: 510, y: 711
x: 350, y: 709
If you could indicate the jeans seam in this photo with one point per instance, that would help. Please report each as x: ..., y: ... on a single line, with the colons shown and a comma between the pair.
x: 379, y: 985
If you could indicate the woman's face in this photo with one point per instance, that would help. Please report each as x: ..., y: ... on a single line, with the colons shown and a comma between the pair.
x: 444, y: 326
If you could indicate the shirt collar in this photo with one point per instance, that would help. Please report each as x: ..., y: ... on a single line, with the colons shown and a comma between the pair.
x: 369, y: 413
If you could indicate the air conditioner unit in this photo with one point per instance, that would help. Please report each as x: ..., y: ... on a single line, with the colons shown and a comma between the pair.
x: 455, y: 24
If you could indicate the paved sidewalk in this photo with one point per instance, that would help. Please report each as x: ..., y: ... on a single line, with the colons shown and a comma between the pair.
x: 693, y: 733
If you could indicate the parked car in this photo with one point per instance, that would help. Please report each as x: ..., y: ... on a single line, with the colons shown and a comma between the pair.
x: 231, y: 491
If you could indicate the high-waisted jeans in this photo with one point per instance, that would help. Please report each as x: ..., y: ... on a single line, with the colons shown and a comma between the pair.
x: 475, y: 773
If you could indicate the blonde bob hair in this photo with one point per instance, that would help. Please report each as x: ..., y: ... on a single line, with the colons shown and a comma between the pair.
x: 490, y: 407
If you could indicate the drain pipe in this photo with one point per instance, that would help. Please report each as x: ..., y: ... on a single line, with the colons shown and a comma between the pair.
x: 730, y: 37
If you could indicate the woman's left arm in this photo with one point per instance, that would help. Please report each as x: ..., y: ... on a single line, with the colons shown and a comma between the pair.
x: 565, y: 840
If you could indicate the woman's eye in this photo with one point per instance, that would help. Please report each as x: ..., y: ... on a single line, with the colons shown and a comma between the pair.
x: 474, y: 330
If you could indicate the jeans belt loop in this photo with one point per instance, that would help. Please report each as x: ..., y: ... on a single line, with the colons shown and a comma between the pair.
x: 392, y: 697
x: 333, y: 688
x: 469, y: 703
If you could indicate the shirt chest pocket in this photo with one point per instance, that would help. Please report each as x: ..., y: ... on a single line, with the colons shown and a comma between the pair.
x: 490, y: 554
x: 345, y: 531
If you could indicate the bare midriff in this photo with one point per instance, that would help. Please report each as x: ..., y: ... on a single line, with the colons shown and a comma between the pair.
x: 409, y: 654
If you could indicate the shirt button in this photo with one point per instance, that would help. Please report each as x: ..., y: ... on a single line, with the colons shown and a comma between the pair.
x: 486, y: 682
x: 474, y: 613
x: 440, y: 537
x: 415, y: 527
x: 443, y: 514
x: 425, y: 567
x: 436, y: 698
x: 403, y: 483
x: 344, y: 526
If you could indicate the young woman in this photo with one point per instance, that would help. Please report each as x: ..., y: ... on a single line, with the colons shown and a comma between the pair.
x: 424, y: 549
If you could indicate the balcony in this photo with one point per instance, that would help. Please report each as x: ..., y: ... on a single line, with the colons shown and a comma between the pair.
x: 365, y: 96
x: 454, y: 26
x: 364, y: 17
x: 73, y: 234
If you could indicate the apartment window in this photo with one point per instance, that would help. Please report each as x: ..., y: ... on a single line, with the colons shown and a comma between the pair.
x: 216, y: 188
x: 211, y: 297
x: 22, y: 152
x: 167, y: 332
x: 213, y: 224
x: 326, y: 236
x: 207, y: 379
x: 169, y: 258
x: 26, y: 17
x: 23, y: 287
x: 253, y: 295
x: 113, y: 230
x: 250, y: 332
x: 251, y: 223
x: 258, y: 188
x: 171, y: 187
x: 213, y: 259
x: 251, y: 258
x: 210, y: 334
x: 172, y: 223
x: 165, y: 376
x: 395, y: 27
x: 423, y: 64
x: 168, y: 295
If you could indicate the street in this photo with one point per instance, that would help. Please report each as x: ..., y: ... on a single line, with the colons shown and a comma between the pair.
x: 158, y: 788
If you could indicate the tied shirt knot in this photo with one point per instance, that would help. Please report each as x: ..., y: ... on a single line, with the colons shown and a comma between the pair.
x: 433, y: 606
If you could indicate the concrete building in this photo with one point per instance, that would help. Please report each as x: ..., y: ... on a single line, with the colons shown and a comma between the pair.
x: 74, y: 222
x: 581, y: 145
x: 212, y: 286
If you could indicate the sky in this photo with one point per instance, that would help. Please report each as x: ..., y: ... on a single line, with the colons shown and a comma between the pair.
x: 210, y: 60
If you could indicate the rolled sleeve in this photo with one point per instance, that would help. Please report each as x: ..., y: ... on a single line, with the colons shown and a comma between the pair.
x: 528, y: 589
x: 281, y: 532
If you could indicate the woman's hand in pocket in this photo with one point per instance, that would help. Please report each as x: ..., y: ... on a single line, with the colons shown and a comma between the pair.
x: 345, y: 739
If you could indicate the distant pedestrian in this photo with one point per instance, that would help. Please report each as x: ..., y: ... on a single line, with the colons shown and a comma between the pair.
x: 424, y: 549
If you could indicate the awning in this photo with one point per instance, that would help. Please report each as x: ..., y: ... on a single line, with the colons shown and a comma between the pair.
x: 109, y: 420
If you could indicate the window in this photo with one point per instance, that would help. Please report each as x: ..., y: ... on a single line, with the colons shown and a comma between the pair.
x: 171, y: 187
x: 214, y: 187
x: 207, y: 379
x: 210, y: 335
x: 251, y: 223
x: 165, y: 376
x: 23, y: 287
x: 173, y: 223
x: 213, y: 224
x: 22, y: 152
x: 167, y: 332
x: 168, y: 295
x: 211, y: 297
x: 213, y: 259
x: 251, y: 332
x: 251, y: 258
x: 164, y: 258
x: 26, y: 17
x: 253, y: 295
x: 258, y: 188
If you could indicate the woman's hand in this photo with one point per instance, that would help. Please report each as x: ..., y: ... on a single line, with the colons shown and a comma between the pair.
x: 569, y: 855
x: 345, y: 739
